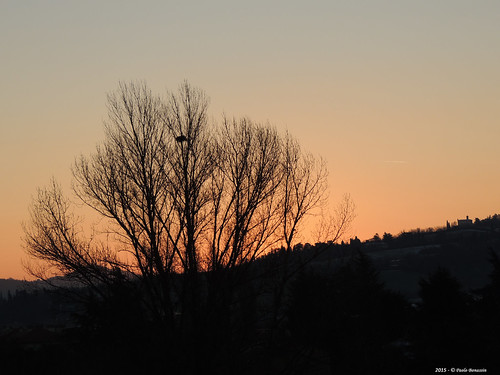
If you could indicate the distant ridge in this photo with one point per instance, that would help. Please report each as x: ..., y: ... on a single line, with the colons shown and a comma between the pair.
x: 12, y: 285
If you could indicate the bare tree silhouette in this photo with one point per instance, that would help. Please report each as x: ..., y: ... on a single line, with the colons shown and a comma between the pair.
x: 186, y: 204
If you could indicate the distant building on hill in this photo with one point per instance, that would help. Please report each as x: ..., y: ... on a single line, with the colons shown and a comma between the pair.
x: 464, y: 222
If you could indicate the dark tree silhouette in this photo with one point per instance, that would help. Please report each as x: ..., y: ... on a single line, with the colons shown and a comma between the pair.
x: 350, y: 319
x: 446, y: 330
x: 489, y: 308
x: 185, y: 207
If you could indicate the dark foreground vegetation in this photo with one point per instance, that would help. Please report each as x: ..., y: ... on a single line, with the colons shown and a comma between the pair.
x: 322, y: 309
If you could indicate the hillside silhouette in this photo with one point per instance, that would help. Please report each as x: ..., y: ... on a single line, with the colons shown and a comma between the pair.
x: 405, y: 303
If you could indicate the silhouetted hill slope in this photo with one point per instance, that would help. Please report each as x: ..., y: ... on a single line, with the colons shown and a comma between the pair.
x: 401, y: 260
x: 12, y: 285
x: 404, y: 259
x: 317, y: 309
x: 32, y: 303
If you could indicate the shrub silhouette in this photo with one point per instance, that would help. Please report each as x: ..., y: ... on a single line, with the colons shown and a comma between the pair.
x: 350, y: 317
x: 446, y: 330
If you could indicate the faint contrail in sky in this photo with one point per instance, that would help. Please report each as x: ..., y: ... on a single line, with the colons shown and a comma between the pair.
x: 395, y: 161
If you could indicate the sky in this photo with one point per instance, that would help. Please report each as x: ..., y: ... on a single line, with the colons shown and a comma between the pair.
x: 401, y: 98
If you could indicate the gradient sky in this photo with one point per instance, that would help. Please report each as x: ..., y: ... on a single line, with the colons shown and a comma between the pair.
x: 402, y: 98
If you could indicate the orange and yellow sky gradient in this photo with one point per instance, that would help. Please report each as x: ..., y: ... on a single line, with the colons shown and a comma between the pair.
x: 402, y: 98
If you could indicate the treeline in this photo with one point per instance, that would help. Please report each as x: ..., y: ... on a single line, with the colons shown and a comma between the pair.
x: 24, y: 307
x: 319, y: 308
x: 350, y: 323
x: 478, y: 229
x: 341, y: 321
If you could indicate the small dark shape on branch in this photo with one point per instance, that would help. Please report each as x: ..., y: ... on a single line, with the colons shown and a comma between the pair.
x: 181, y: 138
